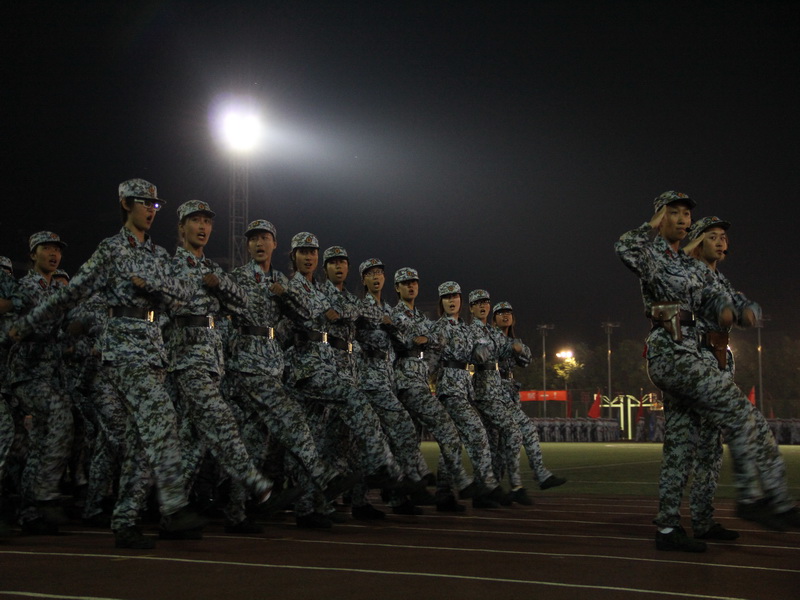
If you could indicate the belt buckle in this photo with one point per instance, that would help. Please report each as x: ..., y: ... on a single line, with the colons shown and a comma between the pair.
x: 271, y: 333
x: 210, y: 322
x: 421, y: 355
x: 324, y: 337
x: 349, y: 347
x: 150, y: 316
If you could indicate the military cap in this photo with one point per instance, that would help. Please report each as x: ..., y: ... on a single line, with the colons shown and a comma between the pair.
x: 670, y: 197
x: 368, y: 264
x: 261, y: 225
x: 701, y: 225
x: 449, y: 287
x: 477, y: 295
x: 61, y: 273
x: 194, y: 206
x: 304, y: 239
x: 5, y: 263
x: 334, y: 252
x: 502, y: 307
x: 139, y: 188
x: 45, y: 237
x: 405, y: 274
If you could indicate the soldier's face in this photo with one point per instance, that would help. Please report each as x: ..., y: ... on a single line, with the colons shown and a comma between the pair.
x: 336, y: 270
x: 451, y: 304
x: 504, y: 318
x: 260, y: 246
x: 141, y: 216
x: 306, y: 261
x: 714, y: 245
x: 676, y: 221
x: 46, y: 258
x: 373, y: 279
x: 480, y: 309
x: 408, y: 290
x: 196, y: 230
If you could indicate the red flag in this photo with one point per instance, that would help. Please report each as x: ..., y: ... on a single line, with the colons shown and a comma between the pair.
x: 752, y: 395
x: 640, y: 412
x: 594, y: 411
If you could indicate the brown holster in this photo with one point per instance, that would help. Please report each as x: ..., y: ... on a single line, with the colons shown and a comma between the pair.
x: 718, y: 343
x: 668, y: 316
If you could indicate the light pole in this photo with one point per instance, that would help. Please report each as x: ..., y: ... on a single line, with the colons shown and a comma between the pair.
x: 544, y: 327
x: 241, y: 130
x: 759, y: 325
x: 609, y: 326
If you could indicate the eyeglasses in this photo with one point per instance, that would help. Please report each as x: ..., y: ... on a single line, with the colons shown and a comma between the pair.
x: 148, y: 203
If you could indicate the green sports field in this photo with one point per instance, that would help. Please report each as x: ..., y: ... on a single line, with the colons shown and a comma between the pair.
x: 620, y: 468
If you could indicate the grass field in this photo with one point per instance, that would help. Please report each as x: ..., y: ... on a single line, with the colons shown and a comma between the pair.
x: 620, y: 468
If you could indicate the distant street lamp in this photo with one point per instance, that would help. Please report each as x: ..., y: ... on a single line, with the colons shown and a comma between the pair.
x: 609, y: 326
x: 240, y: 129
x: 544, y: 329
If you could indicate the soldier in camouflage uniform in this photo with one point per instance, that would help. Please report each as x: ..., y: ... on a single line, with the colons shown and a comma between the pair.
x: 709, y: 244
x: 321, y: 372
x: 413, y: 388
x: 36, y: 382
x: 461, y: 345
x: 7, y: 291
x: 503, y: 319
x: 196, y: 356
x: 256, y: 363
x: 377, y: 338
x: 132, y: 276
x: 674, y: 288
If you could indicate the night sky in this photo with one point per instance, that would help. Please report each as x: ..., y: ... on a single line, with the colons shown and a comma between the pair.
x: 502, y: 145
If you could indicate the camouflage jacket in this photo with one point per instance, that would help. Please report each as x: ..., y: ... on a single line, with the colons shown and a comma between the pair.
x: 309, y: 357
x: 409, y: 366
x: 668, y: 276
x: 508, y: 363
x: 462, y: 344
x: 39, y: 355
x: 377, y: 341
x: 200, y: 347
x: 258, y: 354
x: 108, y: 272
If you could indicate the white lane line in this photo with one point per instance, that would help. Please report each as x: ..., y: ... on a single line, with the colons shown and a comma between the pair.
x: 60, y: 596
x: 390, y: 573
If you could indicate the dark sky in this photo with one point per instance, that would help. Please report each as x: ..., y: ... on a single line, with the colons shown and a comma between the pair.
x: 502, y: 145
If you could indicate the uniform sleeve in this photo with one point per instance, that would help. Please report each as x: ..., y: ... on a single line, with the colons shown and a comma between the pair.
x: 635, y: 248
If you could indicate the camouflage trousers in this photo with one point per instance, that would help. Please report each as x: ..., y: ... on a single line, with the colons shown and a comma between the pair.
x: 400, y: 431
x: 6, y: 436
x: 495, y: 411
x: 268, y: 413
x: 530, y: 441
x: 429, y: 412
x: 474, y: 438
x: 152, y: 448
x: 699, y: 390
x: 50, y: 442
x: 355, y: 411
x: 209, y: 424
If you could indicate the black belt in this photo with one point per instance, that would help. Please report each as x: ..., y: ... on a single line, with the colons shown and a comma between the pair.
x: 257, y: 330
x: 339, y: 343
x: 508, y: 375
x: 379, y: 354
x: 133, y: 312
x: 419, y: 354
x: 489, y: 366
x: 195, y: 321
x: 454, y: 364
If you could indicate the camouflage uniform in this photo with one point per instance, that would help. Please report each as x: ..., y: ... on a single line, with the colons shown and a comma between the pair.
x: 134, y: 360
x: 35, y: 377
x: 678, y: 368
x: 459, y: 346
x: 257, y: 364
x: 196, y: 362
x: 413, y: 390
x: 377, y: 382
x: 7, y: 292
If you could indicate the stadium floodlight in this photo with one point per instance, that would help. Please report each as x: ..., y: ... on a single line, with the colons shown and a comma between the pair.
x: 242, y: 130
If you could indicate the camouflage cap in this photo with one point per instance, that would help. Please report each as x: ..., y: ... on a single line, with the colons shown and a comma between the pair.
x: 139, y: 188
x: 502, y: 307
x: 334, y: 252
x: 368, y: 264
x: 449, y: 287
x: 477, y: 295
x: 45, y: 237
x: 304, y: 239
x: 405, y: 274
x: 61, y: 273
x: 5, y: 263
x: 670, y: 197
x: 261, y: 225
x: 194, y: 206
x: 701, y: 225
